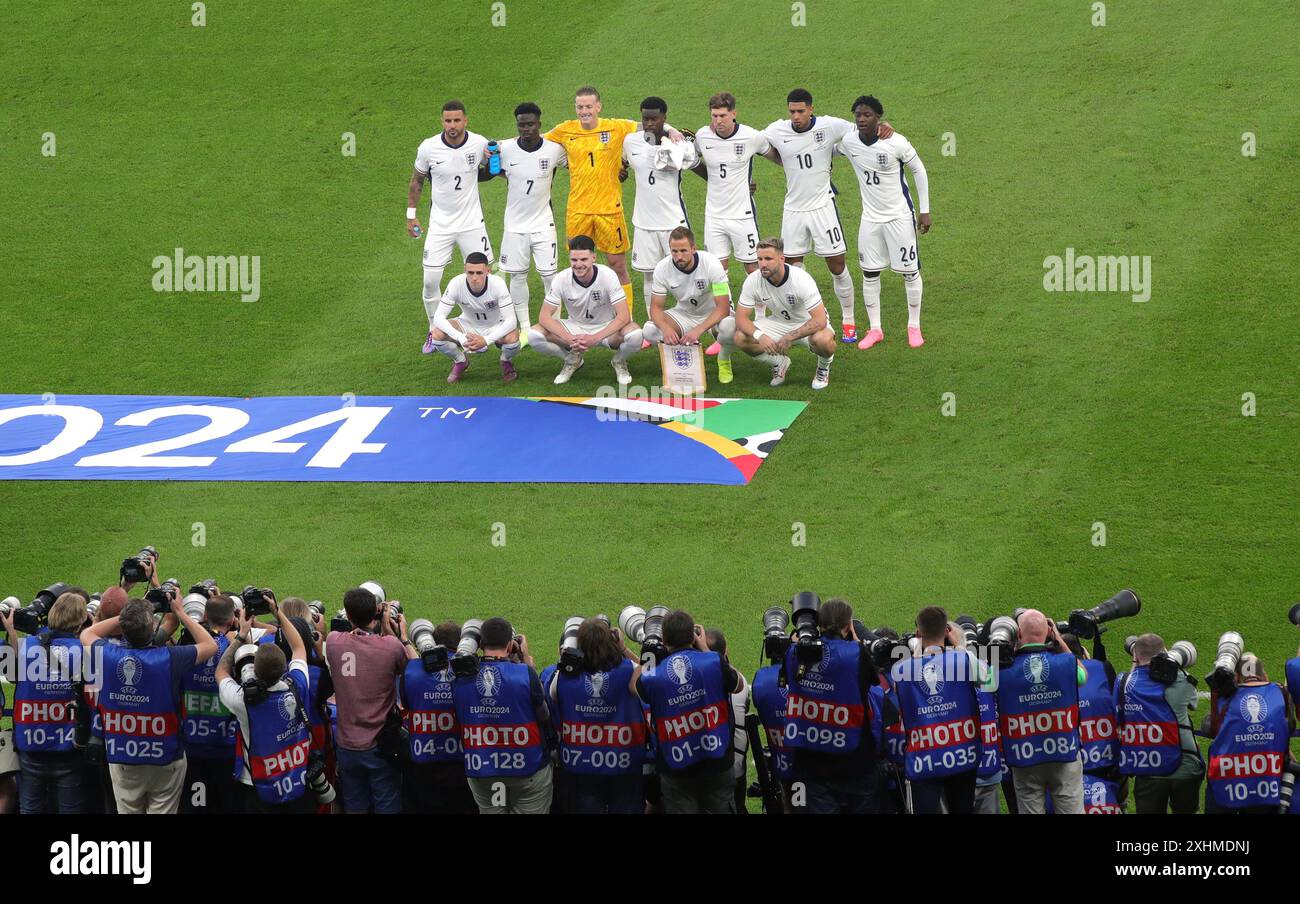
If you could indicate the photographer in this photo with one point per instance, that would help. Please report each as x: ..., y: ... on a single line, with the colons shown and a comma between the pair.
x: 689, y: 693
x: 770, y: 691
x: 139, y: 702
x: 717, y: 642
x: 365, y: 664
x: 891, y: 739
x: 505, y: 726
x: 1038, y: 706
x: 207, y: 725
x: 601, y: 726
x: 435, y: 777
x: 1098, y: 729
x: 826, y: 719
x: 274, y: 742
x: 49, y: 670
x: 1156, y: 739
x: 1251, y: 729
x: 320, y: 686
x: 941, y: 715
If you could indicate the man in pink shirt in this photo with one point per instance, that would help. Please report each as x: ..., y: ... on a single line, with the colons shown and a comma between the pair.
x: 364, y: 665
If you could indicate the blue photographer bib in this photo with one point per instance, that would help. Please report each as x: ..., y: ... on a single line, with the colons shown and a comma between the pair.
x: 1038, y: 706
x: 45, y: 711
x: 278, y: 744
x: 498, y: 727
x: 209, y: 728
x: 602, y: 728
x: 138, y: 706
x: 692, y: 713
x: 990, y: 735
x: 430, y: 714
x: 1248, y: 753
x: 1148, y: 729
x: 936, y: 699
x: 1098, y: 734
x: 769, y: 702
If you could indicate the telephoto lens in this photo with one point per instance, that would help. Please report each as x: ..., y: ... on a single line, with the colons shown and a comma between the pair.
x: 1223, y: 678
x: 317, y: 781
x: 465, y: 662
x: 31, y: 619
x: 1166, y: 666
x: 1129, y: 643
x: 1003, y: 632
x: 1288, y: 787
x: 9, y: 604
x: 375, y: 589
x: 654, y: 632
x: 317, y: 609
x: 631, y: 621
x: 432, y: 654
x: 195, y: 605
x: 970, y: 629
x: 254, y: 691
x: 776, y: 633
x: 92, y: 607
x: 808, y: 640
x: 1086, y: 623
x: 571, y: 658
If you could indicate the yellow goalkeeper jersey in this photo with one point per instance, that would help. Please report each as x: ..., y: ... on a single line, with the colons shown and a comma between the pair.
x: 595, y: 156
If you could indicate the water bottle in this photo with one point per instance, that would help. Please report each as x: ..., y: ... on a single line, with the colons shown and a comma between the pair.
x: 494, y: 158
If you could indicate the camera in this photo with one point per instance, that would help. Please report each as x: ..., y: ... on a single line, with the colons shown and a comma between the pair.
x: 161, y: 596
x: 9, y: 604
x: 136, y: 568
x: 631, y: 621
x: 776, y: 633
x: 375, y: 589
x: 317, y: 609
x: 394, y: 610
x: 1087, y: 623
x: 465, y: 663
x: 1224, y: 676
x: 1166, y: 665
x: 92, y: 607
x: 1002, y: 634
x: 1289, y: 772
x: 30, y: 619
x: 195, y: 606
x: 432, y: 654
x: 316, y: 780
x: 807, y: 636
x: 254, y: 690
x: 207, y: 587
x: 571, y: 657
x: 256, y: 601
x: 970, y: 629
x: 340, y: 621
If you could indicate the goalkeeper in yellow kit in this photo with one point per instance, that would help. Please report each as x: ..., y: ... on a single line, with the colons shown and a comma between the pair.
x: 595, y: 207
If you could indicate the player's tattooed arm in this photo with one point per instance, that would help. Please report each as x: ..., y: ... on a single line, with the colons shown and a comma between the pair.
x: 815, y: 324
x: 413, y: 191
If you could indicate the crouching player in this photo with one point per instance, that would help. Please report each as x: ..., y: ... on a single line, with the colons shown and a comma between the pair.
x: 698, y: 282
x: 780, y: 307
x: 487, y: 316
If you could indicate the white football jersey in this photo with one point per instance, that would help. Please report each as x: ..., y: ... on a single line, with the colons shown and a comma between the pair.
x: 453, y: 182
x: 658, y: 203
x: 694, y: 288
x: 792, y: 300
x: 806, y: 157
x: 528, y: 184
x: 729, y: 162
x: 592, y: 303
x: 482, y: 310
x: 881, y: 179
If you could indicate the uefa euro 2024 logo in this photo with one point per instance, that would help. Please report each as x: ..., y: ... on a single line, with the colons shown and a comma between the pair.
x: 1253, y: 708
x: 288, y: 706
x: 128, y: 669
x: 680, y: 670
x: 1036, y: 669
x: 488, y: 681
x: 932, y: 678
x: 594, y: 684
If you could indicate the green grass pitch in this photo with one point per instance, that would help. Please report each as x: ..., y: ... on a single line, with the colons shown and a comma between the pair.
x: 1070, y: 409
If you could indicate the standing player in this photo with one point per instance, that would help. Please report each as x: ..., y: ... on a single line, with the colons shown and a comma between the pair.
x: 453, y: 163
x: 596, y: 310
x: 810, y: 222
x: 887, y: 236
x: 528, y: 164
x: 595, y: 207
x: 657, y: 168
x: 726, y: 149
x: 698, y: 282
x: 486, y: 317
x: 780, y: 307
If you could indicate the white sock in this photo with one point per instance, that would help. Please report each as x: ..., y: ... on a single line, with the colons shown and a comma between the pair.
x: 546, y: 282
x: 772, y: 360
x: 824, y: 362
x: 843, y: 284
x: 538, y: 342
x: 509, y: 350
x: 450, y: 349
x: 871, y: 299
x: 519, y: 294
x: 912, y: 285
x: 652, y: 334
x: 629, y: 346
x: 648, y: 293
x: 432, y: 291
x: 726, y: 330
